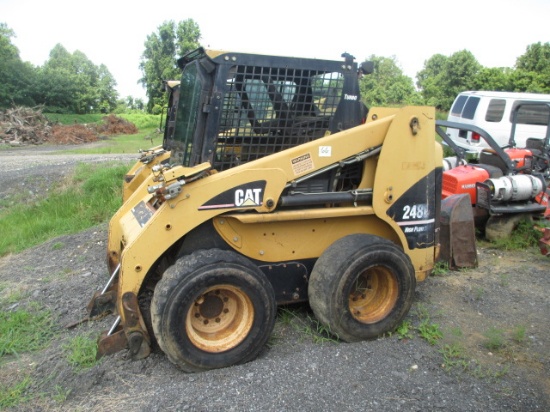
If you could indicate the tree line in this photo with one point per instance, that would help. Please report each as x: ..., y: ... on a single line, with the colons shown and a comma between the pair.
x: 66, y: 83
x: 71, y: 83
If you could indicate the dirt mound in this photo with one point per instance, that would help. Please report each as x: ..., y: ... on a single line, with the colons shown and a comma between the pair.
x: 113, y: 125
x: 73, y: 134
x: 24, y: 126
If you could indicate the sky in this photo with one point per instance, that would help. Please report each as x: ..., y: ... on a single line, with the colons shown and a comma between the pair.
x: 113, y: 32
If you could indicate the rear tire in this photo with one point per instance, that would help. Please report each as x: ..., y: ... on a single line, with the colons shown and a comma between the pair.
x: 361, y: 287
x: 212, y: 309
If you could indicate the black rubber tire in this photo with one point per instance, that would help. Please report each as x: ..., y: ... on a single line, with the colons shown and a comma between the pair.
x: 361, y: 287
x: 212, y: 309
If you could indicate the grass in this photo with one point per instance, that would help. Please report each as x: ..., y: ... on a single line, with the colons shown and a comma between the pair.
x: 306, y: 324
x: 404, y: 330
x: 143, y: 120
x: 478, y: 293
x: 133, y: 143
x: 427, y: 330
x: 504, y: 279
x: 68, y: 119
x: 318, y: 332
x: 454, y: 356
x: 518, y: 334
x: 524, y: 236
x: 440, y: 268
x: 140, y: 119
x: 81, y: 352
x: 430, y: 332
x: 90, y: 197
x: 494, y: 339
x: 14, y: 395
x: 25, y: 331
x: 18, y: 394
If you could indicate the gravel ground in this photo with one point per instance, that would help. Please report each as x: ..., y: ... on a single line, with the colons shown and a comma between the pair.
x: 29, y: 172
x: 506, y: 296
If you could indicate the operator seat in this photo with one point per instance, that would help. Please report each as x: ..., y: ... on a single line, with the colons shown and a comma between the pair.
x: 489, y: 158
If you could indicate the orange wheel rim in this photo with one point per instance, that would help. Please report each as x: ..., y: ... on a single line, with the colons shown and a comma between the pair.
x: 219, y: 319
x: 373, y: 295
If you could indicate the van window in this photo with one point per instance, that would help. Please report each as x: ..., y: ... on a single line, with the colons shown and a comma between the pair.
x: 456, y: 110
x: 495, y: 111
x: 470, y: 107
x: 532, y: 114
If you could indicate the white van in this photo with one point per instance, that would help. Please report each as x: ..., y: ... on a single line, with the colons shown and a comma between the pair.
x: 492, y: 112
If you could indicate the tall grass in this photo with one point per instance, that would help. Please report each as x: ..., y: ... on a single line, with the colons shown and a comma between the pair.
x: 140, y: 119
x: 74, y: 118
x: 90, y: 197
x: 143, y: 120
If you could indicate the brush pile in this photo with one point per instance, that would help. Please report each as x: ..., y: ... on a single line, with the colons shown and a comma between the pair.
x: 21, y: 126
x: 24, y: 126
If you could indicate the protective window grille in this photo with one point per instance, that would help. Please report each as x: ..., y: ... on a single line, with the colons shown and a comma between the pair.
x: 266, y: 110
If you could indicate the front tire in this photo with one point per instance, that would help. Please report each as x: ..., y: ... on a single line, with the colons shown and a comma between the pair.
x: 361, y: 287
x: 212, y: 309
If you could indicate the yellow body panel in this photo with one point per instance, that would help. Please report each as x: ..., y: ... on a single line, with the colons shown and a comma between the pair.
x: 407, y: 153
x: 289, y: 239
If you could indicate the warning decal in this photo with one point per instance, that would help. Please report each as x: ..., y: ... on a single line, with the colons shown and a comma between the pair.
x: 302, y: 164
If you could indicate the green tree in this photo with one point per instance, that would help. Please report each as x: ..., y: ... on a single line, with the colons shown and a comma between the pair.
x: 387, y: 85
x: 188, y: 35
x: 86, y: 78
x: 494, y: 78
x: 528, y: 81
x: 429, y: 79
x: 444, y: 77
x: 16, y: 77
x: 71, y: 83
x: 535, y: 59
x: 106, y: 86
x: 57, y: 85
x: 158, y: 61
x: 532, y: 72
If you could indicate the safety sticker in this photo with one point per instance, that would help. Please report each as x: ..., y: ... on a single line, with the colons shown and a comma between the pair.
x: 142, y: 213
x: 302, y: 164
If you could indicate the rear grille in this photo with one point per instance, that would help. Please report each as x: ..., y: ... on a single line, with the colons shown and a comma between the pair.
x: 450, y: 184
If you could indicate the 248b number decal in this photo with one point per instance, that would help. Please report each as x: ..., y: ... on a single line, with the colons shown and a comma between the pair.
x: 415, y: 212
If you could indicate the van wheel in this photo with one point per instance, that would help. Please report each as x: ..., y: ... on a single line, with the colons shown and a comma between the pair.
x: 212, y: 309
x: 361, y: 287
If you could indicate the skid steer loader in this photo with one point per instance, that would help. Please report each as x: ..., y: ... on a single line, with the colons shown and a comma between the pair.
x: 274, y: 185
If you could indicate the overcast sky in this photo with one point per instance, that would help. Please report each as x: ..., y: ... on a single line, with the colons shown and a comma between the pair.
x: 113, y: 32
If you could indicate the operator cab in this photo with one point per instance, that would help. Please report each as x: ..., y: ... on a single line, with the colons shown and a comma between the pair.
x: 232, y: 108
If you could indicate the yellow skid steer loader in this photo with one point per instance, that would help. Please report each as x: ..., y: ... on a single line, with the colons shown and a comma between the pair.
x: 274, y: 184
